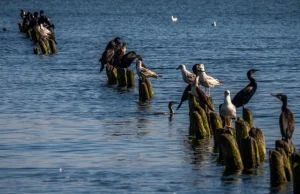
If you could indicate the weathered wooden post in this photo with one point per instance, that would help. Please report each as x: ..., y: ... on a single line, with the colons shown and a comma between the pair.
x: 249, y: 152
x: 215, y: 123
x: 130, y: 79
x: 198, y: 127
x: 204, y: 118
x: 258, y: 135
x: 242, y: 129
x: 43, y: 47
x: 231, y: 154
x: 143, y: 91
x: 149, y: 86
x: 287, y: 146
x: 122, y: 77
x: 296, y: 172
x: 277, y: 172
x: 111, y: 73
x: 247, y: 116
x: 52, y: 46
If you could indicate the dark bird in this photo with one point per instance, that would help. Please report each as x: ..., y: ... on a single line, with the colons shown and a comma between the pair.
x: 243, y: 96
x: 108, y: 55
x: 199, y: 94
x: 171, y: 110
x: 127, y: 59
x: 119, y: 54
x: 286, y: 119
x: 184, y: 96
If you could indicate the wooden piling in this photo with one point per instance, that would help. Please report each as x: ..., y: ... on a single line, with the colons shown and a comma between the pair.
x: 198, y: 127
x: 286, y: 165
x: 231, y: 154
x: 249, y: 152
x: 296, y: 172
x: 215, y: 123
x: 247, y: 116
x: 277, y: 173
x: 143, y: 92
x: 111, y: 73
x: 149, y: 86
x: 43, y: 47
x: 52, y: 46
x: 205, y: 123
x: 258, y: 135
x: 242, y: 129
x: 47, y: 46
x: 122, y: 77
x: 287, y: 146
x: 130, y: 79
x: 28, y: 33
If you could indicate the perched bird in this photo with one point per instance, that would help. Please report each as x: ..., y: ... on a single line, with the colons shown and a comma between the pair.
x: 119, y: 55
x: 144, y: 72
x: 227, y: 109
x: 187, y: 76
x: 207, y: 81
x: 243, y: 96
x: 184, y: 96
x: 199, y: 94
x: 108, y: 55
x: 127, y: 59
x: 286, y: 119
x: 174, y: 19
x: 214, y: 24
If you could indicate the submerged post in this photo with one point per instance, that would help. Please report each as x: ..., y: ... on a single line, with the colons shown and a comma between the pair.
x: 277, y: 172
x: 143, y: 91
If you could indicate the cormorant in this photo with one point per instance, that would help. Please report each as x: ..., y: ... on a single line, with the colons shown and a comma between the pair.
x: 119, y: 55
x: 199, y: 94
x: 286, y: 119
x: 184, y: 96
x: 243, y: 96
x: 170, y: 106
x: 127, y: 59
x: 111, y: 48
x: 187, y: 76
x: 207, y: 81
x: 227, y: 109
x: 144, y: 72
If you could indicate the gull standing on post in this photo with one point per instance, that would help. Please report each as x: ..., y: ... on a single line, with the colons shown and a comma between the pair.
x: 227, y: 109
x: 187, y: 76
x: 144, y: 72
x: 207, y: 81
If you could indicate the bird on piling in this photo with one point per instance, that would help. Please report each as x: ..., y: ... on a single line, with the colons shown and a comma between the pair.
x: 243, y: 96
x: 127, y: 59
x: 207, y: 81
x: 286, y: 119
x: 227, y: 109
x: 184, y: 96
x: 144, y: 72
x: 199, y: 94
x: 187, y: 76
x: 111, y: 48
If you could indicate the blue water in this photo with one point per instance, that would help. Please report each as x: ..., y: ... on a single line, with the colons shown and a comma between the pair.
x: 57, y: 111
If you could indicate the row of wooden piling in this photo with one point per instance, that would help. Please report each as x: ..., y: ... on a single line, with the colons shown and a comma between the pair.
x: 243, y: 148
x: 46, y: 46
x: 125, y: 78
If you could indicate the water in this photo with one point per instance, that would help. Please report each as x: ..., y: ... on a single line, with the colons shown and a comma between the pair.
x: 57, y: 111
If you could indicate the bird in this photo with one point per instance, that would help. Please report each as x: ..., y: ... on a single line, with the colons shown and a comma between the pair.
x: 227, y: 109
x: 45, y: 33
x: 119, y: 55
x: 214, y: 24
x: 199, y: 94
x: 144, y: 72
x: 187, y: 76
x: 243, y: 96
x: 207, y: 81
x: 171, y: 110
x: 111, y: 48
x: 184, y: 96
x: 286, y: 119
x: 174, y: 19
x: 127, y: 59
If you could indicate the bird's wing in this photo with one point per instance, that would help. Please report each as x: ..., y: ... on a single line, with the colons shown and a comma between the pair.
x: 148, y: 73
x: 190, y: 77
x: 287, y: 123
x: 184, y: 96
x: 213, y: 81
x: 203, y: 98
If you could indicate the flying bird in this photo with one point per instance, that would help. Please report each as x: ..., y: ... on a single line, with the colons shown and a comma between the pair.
x: 174, y: 19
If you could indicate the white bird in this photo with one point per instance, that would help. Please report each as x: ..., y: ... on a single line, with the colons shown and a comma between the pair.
x: 207, y: 81
x: 214, y: 24
x: 144, y: 72
x: 174, y: 19
x: 44, y: 32
x: 227, y: 109
x: 187, y: 76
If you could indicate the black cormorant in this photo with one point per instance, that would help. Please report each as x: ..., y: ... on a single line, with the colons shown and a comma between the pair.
x: 243, y: 96
x: 127, y: 59
x: 286, y: 119
x: 184, y: 96
x: 111, y: 48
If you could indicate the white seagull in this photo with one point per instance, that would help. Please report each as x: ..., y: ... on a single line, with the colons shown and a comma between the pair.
x: 214, y: 24
x: 44, y: 32
x: 144, y: 72
x: 174, y: 19
x: 227, y: 109
x: 207, y: 81
x: 187, y: 76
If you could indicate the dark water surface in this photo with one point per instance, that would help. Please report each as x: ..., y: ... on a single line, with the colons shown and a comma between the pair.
x: 57, y: 112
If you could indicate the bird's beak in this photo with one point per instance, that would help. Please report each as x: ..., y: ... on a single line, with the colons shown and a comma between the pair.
x: 275, y: 95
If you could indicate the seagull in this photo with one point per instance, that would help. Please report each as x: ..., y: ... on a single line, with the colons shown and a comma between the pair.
x: 187, y: 76
x: 144, y: 72
x: 227, y: 109
x: 214, y: 24
x: 207, y: 81
x: 44, y: 32
x: 198, y: 93
x: 174, y: 19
